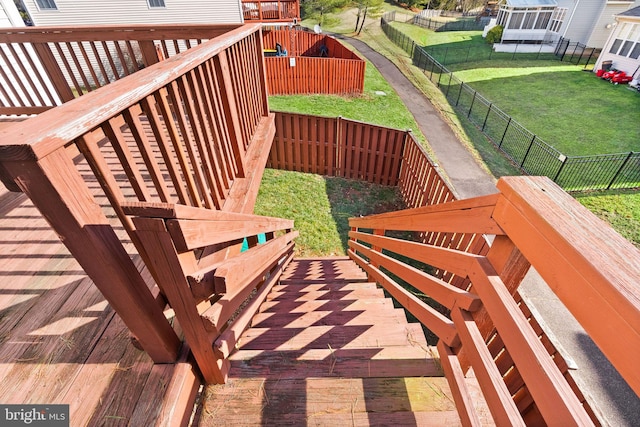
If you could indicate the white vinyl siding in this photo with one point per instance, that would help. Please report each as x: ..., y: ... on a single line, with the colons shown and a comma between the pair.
x: 90, y: 12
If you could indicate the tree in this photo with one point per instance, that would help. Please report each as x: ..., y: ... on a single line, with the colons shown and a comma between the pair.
x: 365, y: 6
x: 317, y: 9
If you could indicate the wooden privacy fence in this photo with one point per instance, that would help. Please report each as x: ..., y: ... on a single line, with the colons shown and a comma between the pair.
x: 337, y: 147
x: 314, y: 63
x: 193, y: 130
x: 41, y: 67
x: 482, y: 321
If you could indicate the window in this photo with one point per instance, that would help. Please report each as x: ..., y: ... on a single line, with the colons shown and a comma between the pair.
x: 156, y: 3
x: 626, y: 48
x: 529, y: 20
x: 628, y: 43
x: 615, y: 46
x: 543, y: 20
x: 46, y: 4
x: 515, y: 21
x: 557, y: 19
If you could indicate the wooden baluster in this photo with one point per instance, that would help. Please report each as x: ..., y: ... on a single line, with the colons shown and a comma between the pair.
x: 53, y: 71
x: 59, y: 192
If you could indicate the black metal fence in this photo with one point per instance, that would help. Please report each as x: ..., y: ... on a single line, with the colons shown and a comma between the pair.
x: 563, y: 49
x: 531, y: 154
x: 439, y: 25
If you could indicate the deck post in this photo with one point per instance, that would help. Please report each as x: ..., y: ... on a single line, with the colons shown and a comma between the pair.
x: 58, y: 191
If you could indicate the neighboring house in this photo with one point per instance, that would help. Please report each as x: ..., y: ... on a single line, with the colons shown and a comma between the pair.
x: 623, y: 46
x: 89, y: 12
x: 589, y: 22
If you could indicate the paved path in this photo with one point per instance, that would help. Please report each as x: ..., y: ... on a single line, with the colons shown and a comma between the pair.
x: 467, y: 177
x: 595, y: 375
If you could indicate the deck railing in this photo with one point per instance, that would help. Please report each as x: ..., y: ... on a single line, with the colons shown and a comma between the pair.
x: 480, y: 318
x: 194, y: 130
x: 42, y: 67
x: 271, y: 10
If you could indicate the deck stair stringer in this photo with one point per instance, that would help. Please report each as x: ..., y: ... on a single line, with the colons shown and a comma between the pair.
x: 328, y: 348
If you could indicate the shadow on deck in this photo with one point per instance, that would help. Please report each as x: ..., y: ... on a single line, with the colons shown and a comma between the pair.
x: 327, y: 348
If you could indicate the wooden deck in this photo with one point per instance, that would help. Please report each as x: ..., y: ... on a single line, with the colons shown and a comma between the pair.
x: 327, y: 348
x: 60, y: 342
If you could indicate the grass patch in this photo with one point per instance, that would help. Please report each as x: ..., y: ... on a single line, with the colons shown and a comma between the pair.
x: 321, y: 207
x: 620, y: 208
x: 379, y: 104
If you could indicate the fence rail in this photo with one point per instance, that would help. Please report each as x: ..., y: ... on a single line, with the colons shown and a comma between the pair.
x: 528, y: 152
x: 485, y: 323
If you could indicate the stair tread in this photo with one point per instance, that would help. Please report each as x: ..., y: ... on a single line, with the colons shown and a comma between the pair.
x: 325, y: 286
x: 331, y: 317
x: 370, y: 401
x: 332, y: 295
x: 356, y: 336
x: 324, y: 305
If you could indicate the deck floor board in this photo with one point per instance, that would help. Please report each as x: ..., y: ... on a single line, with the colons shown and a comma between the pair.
x: 60, y: 341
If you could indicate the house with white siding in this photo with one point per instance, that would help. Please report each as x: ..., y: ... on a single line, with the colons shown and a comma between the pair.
x: 589, y: 22
x: 90, y: 12
x: 623, y: 46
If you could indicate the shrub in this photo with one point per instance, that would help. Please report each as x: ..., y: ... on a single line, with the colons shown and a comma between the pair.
x: 494, y: 35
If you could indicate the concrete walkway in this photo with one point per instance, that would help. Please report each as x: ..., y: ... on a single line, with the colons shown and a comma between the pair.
x: 616, y: 401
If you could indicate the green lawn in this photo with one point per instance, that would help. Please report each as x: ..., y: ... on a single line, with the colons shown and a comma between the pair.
x: 570, y: 109
x: 379, y: 104
x: 621, y: 209
x: 321, y: 207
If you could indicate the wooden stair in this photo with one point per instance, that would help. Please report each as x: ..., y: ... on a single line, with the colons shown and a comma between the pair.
x: 327, y: 348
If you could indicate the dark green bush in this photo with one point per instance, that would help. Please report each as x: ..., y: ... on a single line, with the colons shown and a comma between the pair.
x: 494, y: 35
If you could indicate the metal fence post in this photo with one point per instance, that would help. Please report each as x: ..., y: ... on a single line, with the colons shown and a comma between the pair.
x: 449, y: 85
x: 563, y: 159
x: 444, y: 61
x: 620, y: 170
x: 527, y: 153
x: 486, y: 117
x: 472, y: 101
x: 505, y: 132
x: 459, y: 93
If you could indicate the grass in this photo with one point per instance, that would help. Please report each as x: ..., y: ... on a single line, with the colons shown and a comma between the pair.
x: 568, y: 108
x: 620, y: 208
x: 379, y: 104
x: 321, y: 207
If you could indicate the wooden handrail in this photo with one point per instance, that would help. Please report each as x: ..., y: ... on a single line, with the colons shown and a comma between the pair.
x: 589, y: 266
x: 193, y: 129
x: 204, y: 317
